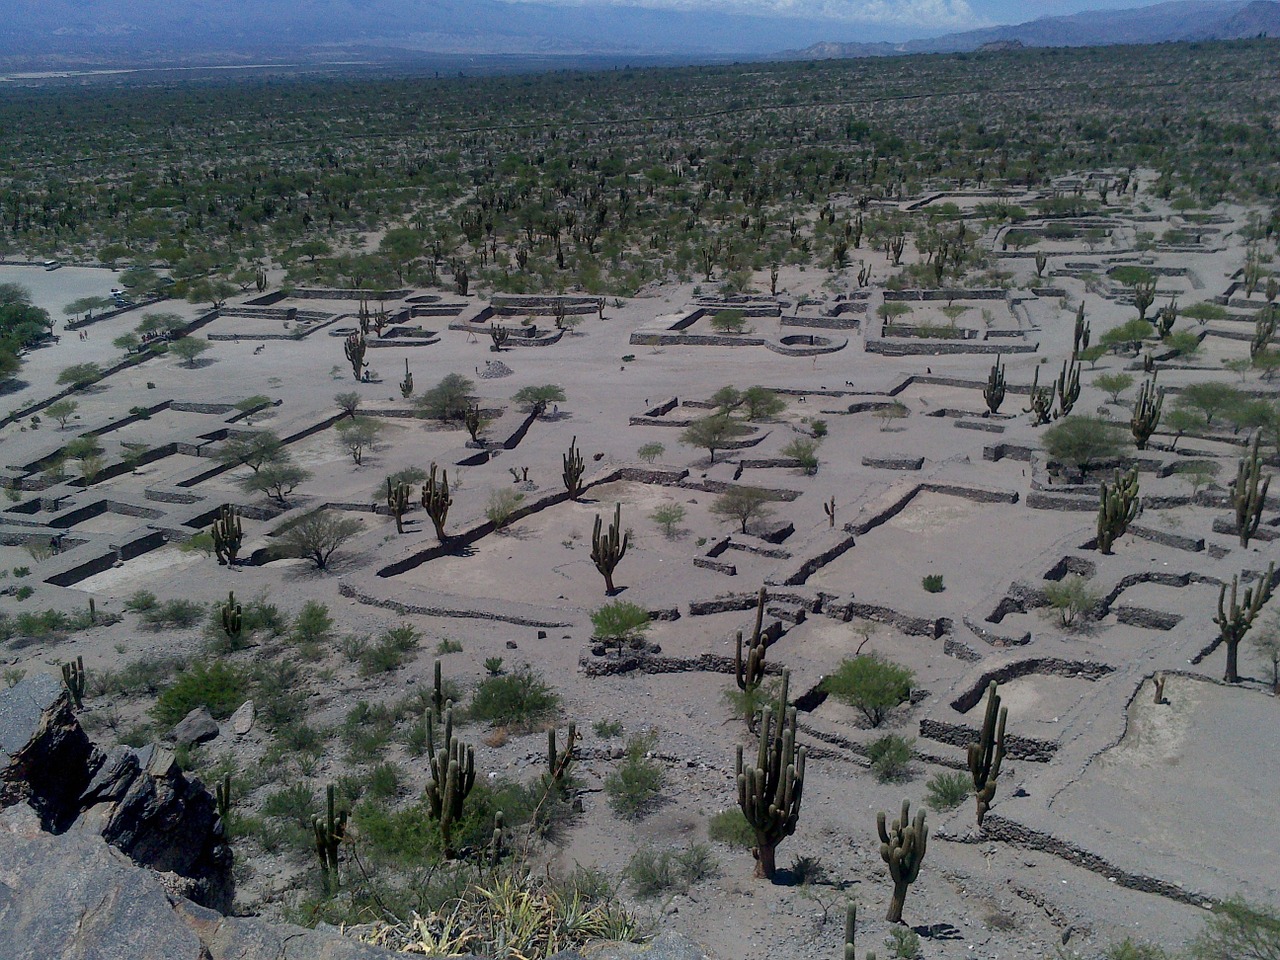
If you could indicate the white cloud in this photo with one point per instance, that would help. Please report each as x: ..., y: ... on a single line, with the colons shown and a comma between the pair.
x: 948, y: 14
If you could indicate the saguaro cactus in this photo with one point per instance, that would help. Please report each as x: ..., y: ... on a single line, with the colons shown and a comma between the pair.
x: 1041, y: 262
x: 398, y: 496
x: 829, y: 508
x: 1235, y: 619
x: 227, y: 535
x: 1117, y: 506
x: 987, y: 754
x: 1040, y: 401
x: 1264, y: 328
x: 1144, y: 294
x: 1146, y: 412
x: 472, y: 420
x: 406, y: 385
x: 222, y: 795
x: 1166, y: 317
x: 453, y: 774
x: 850, y: 929
x: 769, y: 792
x: 330, y: 832
x: 1250, y: 493
x: 574, y: 466
x: 749, y: 671
x: 902, y: 847
x: 73, y: 677
x: 355, y: 347
x: 994, y: 391
x: 499, y: 336
x: 1080, y: 338
x: 232, y: 616
x: 608, y: 549
x: 436, y: 500
x: 1067, y: 387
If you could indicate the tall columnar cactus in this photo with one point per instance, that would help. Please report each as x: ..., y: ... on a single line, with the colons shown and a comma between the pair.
x: 769, y: 792
x: 1117, y: 506
x: 224, y: 800
x: 987, y: 754
x: 850, y: 930
x: 1144, y: 294
x: 902, y: 847
x: 495, y: 842
x: 232, y: 616
x: 1041, y: 262
x: 1040, y: 401
x: 1235, y: 619
x: 1146, y: 412
x: 749, y: 670
x: 73, y: 678
x: 355, y: 347
x: 406, y: 385
x: 330, y: 832
x: 1080, y: 338
x: 453, y: 774
x: 829, y: 508
x: 472, y: 420
x: 994, y: 391
x: 437, y: 694
x: 574, y: 466
x: 1250, y: 493
x: 398, y: 499
x: 1067, y: 387
x: 608, y: 549
x: 1264, y: 328
x: 227, y: 535
x: 499, y: 336
x: 436, y: 500
x: 559, y: 761
x: 1166, y: 317
x: 896, y: 246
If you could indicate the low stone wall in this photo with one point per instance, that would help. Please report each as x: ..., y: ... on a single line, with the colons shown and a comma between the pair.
x: 638, y: 661
x: 1036, y: 666
x: 952, y: 647
x: 1147, y: 618
x: 1191, y: 544
x: 693, y: 340
x: 921, y: 348
x: 316, y: 293
x: 803, y: 350
x: 826, y: 323
x: 987, y: 293
x: 959, y: 735
x: 816, y: 562
x: 912, y: 626
x: 995, y: 639
x: 894, y: 463
x: 470, y: 613
x: 706, y: 563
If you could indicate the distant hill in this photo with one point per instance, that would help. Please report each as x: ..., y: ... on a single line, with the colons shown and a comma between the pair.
x: 1162, y: 23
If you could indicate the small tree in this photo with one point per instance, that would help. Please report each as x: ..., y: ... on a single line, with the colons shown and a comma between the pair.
x: 62, y: 411
x: 317, y: 536
x: 348, y: 403
x: 742, y: 504
x: 1114, y: 384
x: 712, y: 433
x: 762, y: 402
x: 189, y: 348
x: 619, y: 621
x: 668, y: 516
x: 650, y: 452
x: 726, y: 399
x: 871, y: 685
x: 729, y: 321
x: 358, y: 435
x: 254, y: 450
x: 79, y: 375
x: 1078, y: 440
x: 277, y: 480
x: 805, y: 452
x: 530, y: 398
x: 1267, y: 643
x: 1071, y: 600
x: 897, y: 410
x: 448, y: 399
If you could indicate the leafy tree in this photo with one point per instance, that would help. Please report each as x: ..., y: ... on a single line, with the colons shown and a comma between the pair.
x: 317, y: 536
x: 871, y: 685
x: 668, y: 517
x: 729, y: 321
x: 254, y: 449
x: 726, y: 399
x: 448, y: 399
x: 1071, y: 600
x: 86, y: 305
x: 62, y: 411
x: 277, y: 479
x: 348, y: 403
x: 211, y: 291
x: 743, y: 504
x: 1239, y: 931
x: 805, y: 451
x: 140, y: 280
x: 1114, y: 384
x: 1183, y: 342
x: 762, y: 402
x: 358, y: 435
x: 1204, y: 312
x: 1130, y: 335
x: 650, y: 452
x: 530, y: 397
x: 189, y: 348
x: 896, y: 410
x: 712, y: 433
x: 160, y: 324
x: 1211, y: 399
x: 79, y: 375
x: 1077, y: 440
x: 619, y: 620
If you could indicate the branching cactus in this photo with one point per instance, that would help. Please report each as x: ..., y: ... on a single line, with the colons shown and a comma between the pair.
x: 850, y: 930
x: 499, y: 336
x: 436, y: 500
x: 987, y: 754
x: 1080, y: 338
x: 1118, y: 505
x: 829, y: 508
x: 330, y: 832
x: 1264, y: 328
x: 355, y: 347
x: 1041, y: 262
x: 1146, y: 412
x: 1250, y: 493
x: 574, y: 466
x: 406, y: 385
x: 608, y: 549
x: 749, y: 670
x: 769, y: 792
x: 472, y: 420
x: 1235, y: 619
x: 1144, y: 295
x: 398, y: 497
x: 453, y: 774
x: 73, y: 678
x: 1041, y: 402
x: 232, y: 616
x: 559, y: 762
x: 1067, y: 387
x: 227, y: 535
x: 1166, y: 317
x: 902, y: 847
x: 994, y: 391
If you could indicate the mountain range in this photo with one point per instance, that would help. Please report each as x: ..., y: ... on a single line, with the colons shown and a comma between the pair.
x: 1185, y: 20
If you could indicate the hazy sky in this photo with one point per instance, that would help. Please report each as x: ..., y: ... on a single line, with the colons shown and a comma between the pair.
x: 949, y: 14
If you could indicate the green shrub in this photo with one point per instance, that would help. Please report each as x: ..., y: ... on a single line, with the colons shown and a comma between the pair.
x: 384, y: 781
x: 634, y: 788
x: 871, y: 685
x: 607, y: 728
x: 654, y: 872
x: 619, y: 620
x: 932, y: 583
x: 173, y: 614
x: 493, y: 666
x: 141, y: 601
x: 519, y: 699
x: 218, y: 686
x: 890, y: 757
x: 447, y: 646
x: 1238, y: 931
x: 904, y: 943
x: 390, y: 652
x: 946, y: 791
x: 730, y: 827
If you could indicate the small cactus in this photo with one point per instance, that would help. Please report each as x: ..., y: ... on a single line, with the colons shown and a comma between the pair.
x: 1040, y: 401
x: 398, y: 498
x: 1250, y: 492
x: 770, y: 790
x: 608, y: 549
x: 987, y: 754
x: 73, y: 678
x: 355, y: 347
x: 1146, y: 412
x: 222, y: 794
x: 1117, y: 507
x: 1235, y: 619
x: 406, y: 385
x: 436, y: 500
x: 994, y: 391
x: 227, y: 535
x: 902, y: 847
x: 232, y: 616
x: 574, y: 466
x: 453, y: 774
x: 829, y: 508
x: 558, y: 762
x: 330, y: 831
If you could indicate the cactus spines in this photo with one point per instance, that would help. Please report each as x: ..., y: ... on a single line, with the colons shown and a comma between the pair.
x: 1040, y: 400
x: 436, y: 500
x: 472, y: 420
x: 73, y: 677
x: 1117, y: 506
x: 574, y: 465
x: 1080, y: 338
x: 453, y: 774
x: 398, y: 497
x: 1250, y: 493
x: 558, y: 762
x: 1235, y: 619
x: 330, y: 831
x: 499, y: 336
x: 1067, y: 387
x: 1146, y: 412
x: 994, y: 391
x: 769, y: 792
x: 355, y: 347
x: 608, y: 549
x: 222, y: 794
x: 227, y: 535
x: 829, y: 508
x: 406, y: 385
x: 749, y: 671
x: 231, y: 615
x: 902, y: 847
x: 987, y: 754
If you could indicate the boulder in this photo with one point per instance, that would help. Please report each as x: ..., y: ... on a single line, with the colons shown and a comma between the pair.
x: 241, y: 722
x: 196, y: 727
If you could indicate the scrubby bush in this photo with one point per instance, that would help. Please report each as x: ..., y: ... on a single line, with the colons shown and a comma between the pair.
x: 219, y: 686
x: 871, y: 685
x: 890, y: 757
x: 634, y: 788
x: 730, y: 827
x: 518, y: 699
x: 946, y: 791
